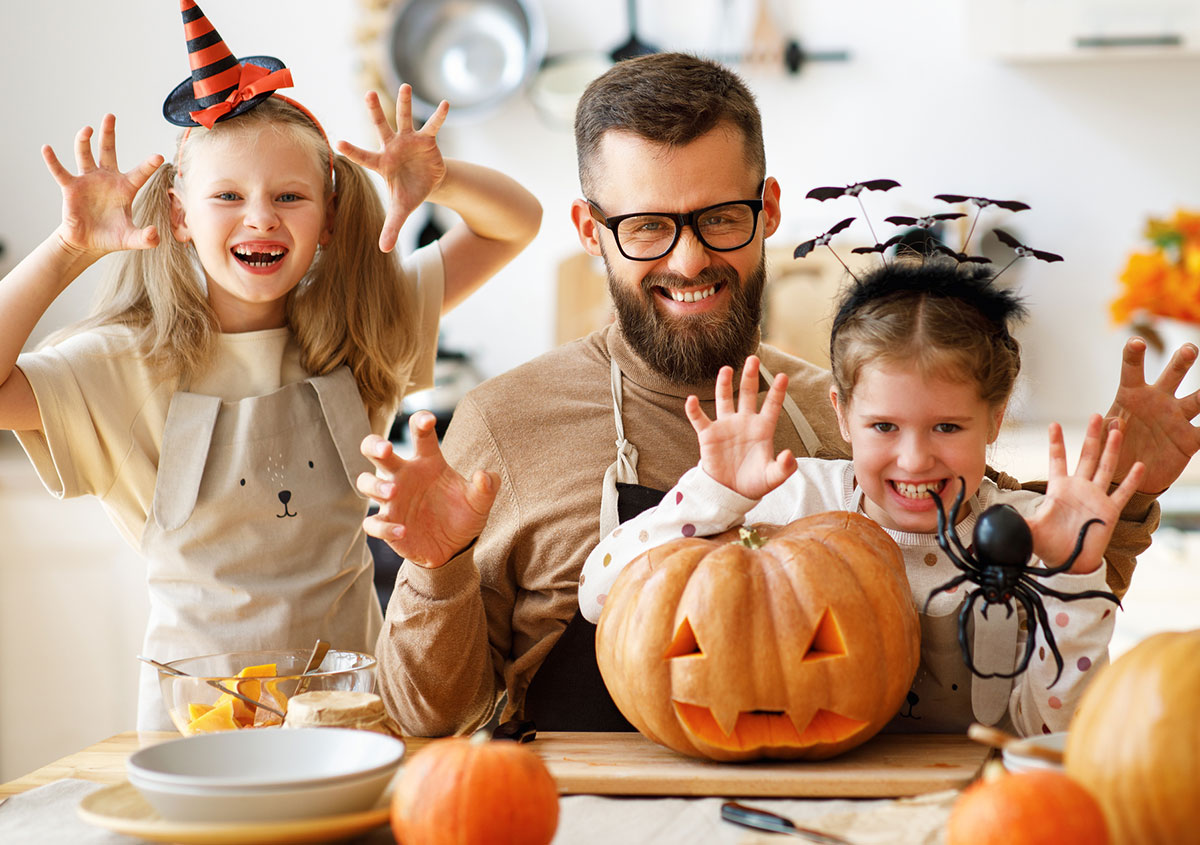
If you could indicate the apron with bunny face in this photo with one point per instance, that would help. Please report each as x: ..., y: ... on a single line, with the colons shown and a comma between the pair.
x: 255, y: 537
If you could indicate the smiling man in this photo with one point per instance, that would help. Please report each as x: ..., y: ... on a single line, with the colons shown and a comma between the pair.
x: 677, y: 201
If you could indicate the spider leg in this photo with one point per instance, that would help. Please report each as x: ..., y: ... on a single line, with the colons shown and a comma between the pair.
x: 1033, y: 601
x: 1031, y: 626
x: 963, y: 559
x: 949, y: 585
x: 963, y: 616
x: 1063, y: 567
x: 1061, y: 596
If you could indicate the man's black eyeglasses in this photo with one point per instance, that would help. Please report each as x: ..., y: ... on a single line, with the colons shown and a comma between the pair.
x: 648, y: 236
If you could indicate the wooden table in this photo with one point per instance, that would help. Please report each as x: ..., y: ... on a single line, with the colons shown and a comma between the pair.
x: 890, y: 765
x: 622, y: 787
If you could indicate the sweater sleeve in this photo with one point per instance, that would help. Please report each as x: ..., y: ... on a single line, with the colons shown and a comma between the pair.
x: 1081, y: 629
x: 437, y: 667
x: 695, y: 507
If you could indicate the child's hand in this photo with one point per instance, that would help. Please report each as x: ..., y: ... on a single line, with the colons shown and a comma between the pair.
x: 97, y: 213
x: 428, y: 513
x: 1072, y: 500
x: 738, y: 448
x: 409, y: 161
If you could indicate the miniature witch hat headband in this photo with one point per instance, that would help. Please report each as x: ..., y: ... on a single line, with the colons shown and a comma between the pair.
x: 220, y: 86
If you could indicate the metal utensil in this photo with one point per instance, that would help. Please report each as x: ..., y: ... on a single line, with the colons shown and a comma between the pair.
x: 751, y: 817
x: 171, y: 670
x: 997, y: 738
x: 314, y: 660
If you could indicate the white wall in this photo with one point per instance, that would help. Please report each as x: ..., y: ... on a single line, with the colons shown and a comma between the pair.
x: 1093, y: 146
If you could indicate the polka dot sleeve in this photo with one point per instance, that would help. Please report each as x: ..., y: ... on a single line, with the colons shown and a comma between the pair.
x: 696, y: 506
x: 1082, y: 630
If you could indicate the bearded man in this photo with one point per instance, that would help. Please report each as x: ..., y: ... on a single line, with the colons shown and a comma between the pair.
x: 678, y: 203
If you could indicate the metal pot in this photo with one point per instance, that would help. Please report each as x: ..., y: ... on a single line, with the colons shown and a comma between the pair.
x: 473, y: 53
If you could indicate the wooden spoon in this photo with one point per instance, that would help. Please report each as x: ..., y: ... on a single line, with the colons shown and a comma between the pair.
x: 997, y: 738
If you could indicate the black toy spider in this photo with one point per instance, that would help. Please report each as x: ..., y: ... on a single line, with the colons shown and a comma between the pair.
x: 1000, y: 567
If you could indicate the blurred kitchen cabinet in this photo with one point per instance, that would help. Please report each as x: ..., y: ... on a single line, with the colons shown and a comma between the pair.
x: 1034, y: 30
x: 797, y: 306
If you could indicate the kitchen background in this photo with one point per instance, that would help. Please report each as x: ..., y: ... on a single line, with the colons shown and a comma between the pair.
x: 991, y: 97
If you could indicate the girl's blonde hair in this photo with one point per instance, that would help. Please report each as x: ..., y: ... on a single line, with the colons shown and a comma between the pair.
x: 950, y: 322
x: 352, y: 308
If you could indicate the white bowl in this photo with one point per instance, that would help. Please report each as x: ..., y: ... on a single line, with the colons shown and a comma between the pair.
x: 265, y: 775
x: 1018, y: 759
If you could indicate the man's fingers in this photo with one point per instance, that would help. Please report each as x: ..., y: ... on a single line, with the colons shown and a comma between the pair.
x: 1133, y: 363
x: 482, y: 492
x: 1177, y: 368
x: 423, y: 426
x: 381, y: 529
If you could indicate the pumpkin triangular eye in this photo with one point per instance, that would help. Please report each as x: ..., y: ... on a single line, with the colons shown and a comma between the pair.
x: 684, y: 642
x: 827, y: 641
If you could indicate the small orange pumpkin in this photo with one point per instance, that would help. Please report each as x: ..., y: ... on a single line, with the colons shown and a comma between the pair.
x: 456, y: 791
x: 1039, y: 807
x: 800, y: 641
x: 1135, y: 740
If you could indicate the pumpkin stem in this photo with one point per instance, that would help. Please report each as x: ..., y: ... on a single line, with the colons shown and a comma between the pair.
x: 750, y: 538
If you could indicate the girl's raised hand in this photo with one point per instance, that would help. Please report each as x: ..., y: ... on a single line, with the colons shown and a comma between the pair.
x: 1072, y: 500
x: 428, y: 513
x: 409, y: 160
x: 97, y: 214
x: 737, y: 449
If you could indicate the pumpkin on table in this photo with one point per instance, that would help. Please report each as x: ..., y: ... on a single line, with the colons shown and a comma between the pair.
x: 1134, y: 741
x: 1026, y: 808
x: 796, y: 641
x: 458, y: 791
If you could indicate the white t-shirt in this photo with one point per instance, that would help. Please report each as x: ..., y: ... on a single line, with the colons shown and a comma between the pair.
x: 103, y: 409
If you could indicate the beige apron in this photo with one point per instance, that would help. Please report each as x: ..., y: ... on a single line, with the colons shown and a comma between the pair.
x: 945, y: 697
x: 254, y: 539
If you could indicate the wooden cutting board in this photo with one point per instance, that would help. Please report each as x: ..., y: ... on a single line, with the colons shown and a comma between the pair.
x: 887, y: 766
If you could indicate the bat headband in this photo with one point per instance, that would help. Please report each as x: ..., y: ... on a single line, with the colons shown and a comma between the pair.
x: 220, y: 86
x: 961, y: 256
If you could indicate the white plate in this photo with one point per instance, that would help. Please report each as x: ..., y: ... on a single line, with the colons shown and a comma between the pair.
x: 122, y: 809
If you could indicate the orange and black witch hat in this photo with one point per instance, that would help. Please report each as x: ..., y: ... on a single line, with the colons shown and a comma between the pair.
x: 220, y: 86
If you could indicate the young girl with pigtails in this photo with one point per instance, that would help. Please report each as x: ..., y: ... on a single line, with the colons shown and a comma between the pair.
x: 923, y: 364
x: 253, y: 342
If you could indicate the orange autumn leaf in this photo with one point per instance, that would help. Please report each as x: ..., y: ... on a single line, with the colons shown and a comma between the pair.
x: 1166, y: 281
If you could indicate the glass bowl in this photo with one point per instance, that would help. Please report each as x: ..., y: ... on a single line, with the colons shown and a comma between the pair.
x: 271, y: 677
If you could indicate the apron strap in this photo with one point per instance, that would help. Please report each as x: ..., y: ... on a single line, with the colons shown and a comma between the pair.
x: 187, y: 435
x: 624, y: 468
x: 346, y: 418
x: 807, y: 436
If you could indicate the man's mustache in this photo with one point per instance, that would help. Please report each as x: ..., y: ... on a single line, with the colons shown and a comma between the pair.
x: 706, y: 277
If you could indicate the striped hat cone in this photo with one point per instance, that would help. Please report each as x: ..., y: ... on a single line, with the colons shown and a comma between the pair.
x: 220, y: 86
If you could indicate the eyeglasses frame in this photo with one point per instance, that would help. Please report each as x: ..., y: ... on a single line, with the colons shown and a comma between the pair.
x: 681, y: 220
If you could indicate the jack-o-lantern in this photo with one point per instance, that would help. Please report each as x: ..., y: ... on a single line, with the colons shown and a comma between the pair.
x: 798, y: 641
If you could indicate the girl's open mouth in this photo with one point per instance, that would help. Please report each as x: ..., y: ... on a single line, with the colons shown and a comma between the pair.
x: 259, y: 257
x: 919, y: 490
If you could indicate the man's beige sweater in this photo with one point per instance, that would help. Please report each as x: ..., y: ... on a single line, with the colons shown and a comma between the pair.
x: 457, y: 637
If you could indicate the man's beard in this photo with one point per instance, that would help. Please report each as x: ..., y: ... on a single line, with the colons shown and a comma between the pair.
x: 691, y: 350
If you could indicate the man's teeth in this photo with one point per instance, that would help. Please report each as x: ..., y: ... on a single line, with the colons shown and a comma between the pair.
x: 259, y: 257
x: 692, y: 296
x: 917, y: 491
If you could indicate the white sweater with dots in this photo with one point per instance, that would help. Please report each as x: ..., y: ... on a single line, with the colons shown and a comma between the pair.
x: 945, y: 697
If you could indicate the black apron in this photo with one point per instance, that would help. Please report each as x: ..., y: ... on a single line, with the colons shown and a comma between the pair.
x: 568, y: 693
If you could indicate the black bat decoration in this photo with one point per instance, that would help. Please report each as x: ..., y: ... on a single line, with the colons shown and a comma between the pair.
x: 924, y: 222
x: 821, y: 240
x: 982, y: 202
x: 1022, y: 250
x: 880, y: 248
x: 961, y: 257
x: 852, y: 190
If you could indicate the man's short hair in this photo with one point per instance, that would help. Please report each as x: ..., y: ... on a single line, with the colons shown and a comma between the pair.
x: 665, y: 98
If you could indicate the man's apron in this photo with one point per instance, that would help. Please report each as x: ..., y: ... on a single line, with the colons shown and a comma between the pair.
x: 567, y: 693
x: 254, y: 539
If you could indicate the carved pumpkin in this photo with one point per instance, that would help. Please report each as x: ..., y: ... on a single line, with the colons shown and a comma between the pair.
x: 457, y: 791
x: 1135, y: 740
x: 1030, y: 808
x: 802, y: 647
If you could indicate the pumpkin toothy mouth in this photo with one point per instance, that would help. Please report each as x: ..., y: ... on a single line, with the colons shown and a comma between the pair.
x: 766, y: 728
